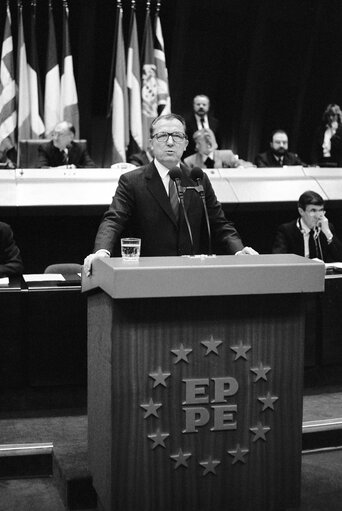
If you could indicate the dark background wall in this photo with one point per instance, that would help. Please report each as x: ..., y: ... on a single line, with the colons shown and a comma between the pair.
x: 265, y: 64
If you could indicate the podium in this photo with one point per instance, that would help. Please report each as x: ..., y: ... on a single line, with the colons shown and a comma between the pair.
x: 195, y: 369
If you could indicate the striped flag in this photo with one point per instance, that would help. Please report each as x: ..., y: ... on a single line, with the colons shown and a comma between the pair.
x: 163, y: 95
x: 134, y: 85
x: 23, y: 98
x: 68, y: 99
x: 36, y: 100
x: 149, y: 82
x: 8, y: 113
x: 52, y: 80
x: 120, y: 125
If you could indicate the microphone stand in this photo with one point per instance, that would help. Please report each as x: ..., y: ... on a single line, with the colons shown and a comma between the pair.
x: 180, y: 193
x: 200, y: 190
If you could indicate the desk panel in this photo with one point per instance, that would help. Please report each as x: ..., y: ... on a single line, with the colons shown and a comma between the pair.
x: 12, y: 345
x: 56, y: 335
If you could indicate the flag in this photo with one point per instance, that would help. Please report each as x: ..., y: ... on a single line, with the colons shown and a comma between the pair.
x: 36, y: 100
x: 8, y: 113
x: 68, y: 99
x: 24, y: 121
x: 120, y: 125
x: 52, y: 80
x: 149, y: 82
x: 134, y: 85
x: 163, y: 95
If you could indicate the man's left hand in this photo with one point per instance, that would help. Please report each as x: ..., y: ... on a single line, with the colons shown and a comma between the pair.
x: 247, y: 251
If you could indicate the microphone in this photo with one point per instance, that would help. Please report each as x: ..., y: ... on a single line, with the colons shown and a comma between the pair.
x: 176, y: 175
x: 196, y: 175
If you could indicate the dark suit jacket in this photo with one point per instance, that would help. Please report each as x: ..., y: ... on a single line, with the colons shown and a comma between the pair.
x: 51, y: 156
x: 139, y: 159
x: 141, y: 208
x: 336, y: 147
x: 10, y: 260
x: 191, y: 127
x: 289, y: 240
x: 267, y: 159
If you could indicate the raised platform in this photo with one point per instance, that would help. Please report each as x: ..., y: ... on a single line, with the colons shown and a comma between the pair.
x: 66, y: 462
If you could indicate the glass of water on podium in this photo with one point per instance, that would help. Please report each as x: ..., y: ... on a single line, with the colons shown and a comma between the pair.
x: 130, y: 249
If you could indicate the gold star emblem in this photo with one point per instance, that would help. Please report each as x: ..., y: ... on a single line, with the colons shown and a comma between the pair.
x: 268, y: 401
x: 209, y: 465
x: 260, y: 372
x: 158, y: 438
x: 181, y: 459
x: 181, y: 354
x: 240, y: 351
x: 159, y: 377
x: 211, y: 345
x: 259, y: 431
x: 151, y: 408
x: 238, y: 454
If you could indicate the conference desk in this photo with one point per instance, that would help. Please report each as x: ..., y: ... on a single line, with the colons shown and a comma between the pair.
x: 55, y: 213
x: 43, y: 338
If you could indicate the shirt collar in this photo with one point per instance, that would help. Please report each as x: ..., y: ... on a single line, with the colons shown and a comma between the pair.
x: 303, y: 226
x: 162, y: 170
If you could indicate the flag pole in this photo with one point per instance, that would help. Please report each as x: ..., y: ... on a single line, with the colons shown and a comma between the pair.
x: 108, y: 123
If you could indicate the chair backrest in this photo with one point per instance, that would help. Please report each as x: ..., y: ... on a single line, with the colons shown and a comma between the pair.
x: 28, y: 151
x: 65, y: 268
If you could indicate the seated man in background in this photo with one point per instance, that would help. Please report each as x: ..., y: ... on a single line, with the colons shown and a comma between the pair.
x: 10, y: 259
x: 140, y: 158
x: 62, y: 151
x: 5, y: 161
x: 278, y: 155
x: 311, y: 235
x: 208, y: 156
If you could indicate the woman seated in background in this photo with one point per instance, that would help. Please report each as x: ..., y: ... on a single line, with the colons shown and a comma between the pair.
x: 321, y: 151
x: 209, y: 157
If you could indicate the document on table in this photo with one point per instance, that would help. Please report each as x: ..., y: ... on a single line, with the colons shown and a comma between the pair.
x: 4, y: 281
x: 43, y: 277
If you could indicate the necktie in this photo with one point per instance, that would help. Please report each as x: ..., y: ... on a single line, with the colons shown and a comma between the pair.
x: 209, y: 163
x: 202, y: 122
x: 173, y: 197
x: 312, y: 245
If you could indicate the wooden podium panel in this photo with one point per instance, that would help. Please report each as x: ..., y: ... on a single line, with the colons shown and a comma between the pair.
x: 195, y: 402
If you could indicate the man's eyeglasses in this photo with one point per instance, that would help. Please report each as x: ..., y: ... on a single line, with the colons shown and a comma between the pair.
x: 163, y: 137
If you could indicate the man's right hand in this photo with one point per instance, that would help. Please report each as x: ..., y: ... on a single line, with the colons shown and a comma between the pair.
x: 88, y: 261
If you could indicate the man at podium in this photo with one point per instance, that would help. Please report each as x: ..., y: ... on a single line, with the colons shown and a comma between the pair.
x: 168, y: 214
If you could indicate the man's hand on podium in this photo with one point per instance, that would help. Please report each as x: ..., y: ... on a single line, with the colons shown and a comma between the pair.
x: 247, y: 251
x: 88, y: 261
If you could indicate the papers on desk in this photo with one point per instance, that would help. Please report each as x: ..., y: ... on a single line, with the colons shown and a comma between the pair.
x: 43, y: 277
x: 4, y: 281
x: 333, y: 267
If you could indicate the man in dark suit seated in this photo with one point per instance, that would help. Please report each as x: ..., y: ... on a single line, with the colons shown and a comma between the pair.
x: 278, y: 155
x: 145, y: 205
x: 311, y: 235
x: 140, y: 158
x: 5, y: 161
x: 62, y: 151
x: 10, y: 259
x: 200, y: 118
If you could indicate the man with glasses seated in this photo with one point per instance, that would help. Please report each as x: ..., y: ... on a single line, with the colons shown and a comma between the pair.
x: 311, y: 235
x: 62, y: 151
x: 143, y: 205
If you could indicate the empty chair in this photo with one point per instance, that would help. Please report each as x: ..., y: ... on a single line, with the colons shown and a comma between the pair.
x: 64, y: 268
